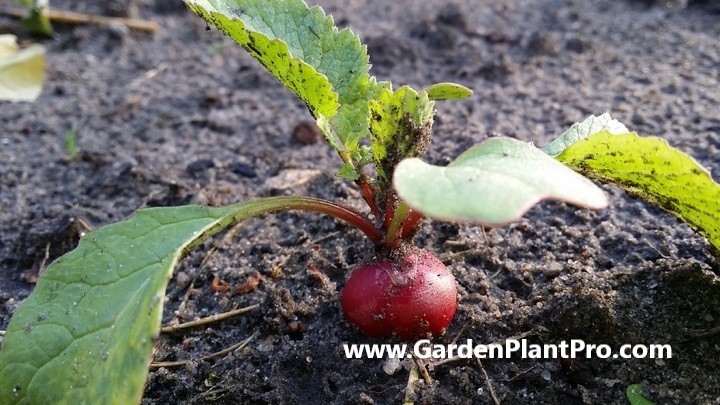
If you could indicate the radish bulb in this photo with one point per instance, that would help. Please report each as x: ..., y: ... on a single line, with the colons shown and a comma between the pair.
x: 412, y: 297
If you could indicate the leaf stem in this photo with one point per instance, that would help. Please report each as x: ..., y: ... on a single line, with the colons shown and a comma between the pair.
x: 288, y: 203
x: 368, y: 194
x: 410, y: 225
x: 394, y: 231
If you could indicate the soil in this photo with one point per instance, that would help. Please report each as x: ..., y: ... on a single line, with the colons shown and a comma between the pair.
x: 186, y: 116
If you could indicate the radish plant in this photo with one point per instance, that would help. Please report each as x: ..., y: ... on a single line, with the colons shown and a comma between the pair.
x: 86, y: 333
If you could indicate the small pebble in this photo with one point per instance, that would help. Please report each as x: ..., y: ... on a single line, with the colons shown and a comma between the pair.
x: 117, y: 29
x: 182, y: 279
x: 241, y: 169
x: 542, y: 44
x: 200, y: 165
x: 290, y: 178
x: 391, y: 366
x: 452, y: 15
x: 306, y: 133
x: 577, y: 45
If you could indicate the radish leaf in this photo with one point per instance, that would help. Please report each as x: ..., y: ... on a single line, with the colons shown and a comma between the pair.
x: 400, y: 128
x: 492, y: 183
x: 581, y: 130
x: 649, y: 168
x: 447, y: 91
x: 326, y: 67
x: 86, y: 332
x: 22, y: 71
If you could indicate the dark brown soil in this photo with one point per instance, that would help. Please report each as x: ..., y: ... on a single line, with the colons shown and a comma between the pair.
x: 186, y: 116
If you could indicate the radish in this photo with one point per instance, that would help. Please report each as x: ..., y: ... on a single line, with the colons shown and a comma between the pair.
x: 411, y: 297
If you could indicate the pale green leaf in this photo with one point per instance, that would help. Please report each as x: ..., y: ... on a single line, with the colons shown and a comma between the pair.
x: 22, y: 71
x: 400, y: 127
x: 86, y: 332
x: 492, y: 183
x: 326, y: 67
x: 581, y: 130
x: 8, y: 45
x: 448, y: 91
x: 651, y: 169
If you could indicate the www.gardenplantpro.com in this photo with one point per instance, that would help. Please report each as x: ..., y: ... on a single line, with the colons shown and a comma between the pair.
x: 97, y: 309
x: 519, y: 348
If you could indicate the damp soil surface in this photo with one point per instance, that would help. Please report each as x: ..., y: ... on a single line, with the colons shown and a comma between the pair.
x: 186, y: 116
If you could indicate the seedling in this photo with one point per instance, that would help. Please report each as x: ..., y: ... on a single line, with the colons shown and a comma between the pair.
x: 71, y: 141
x: 36, y: 20
x: 95, y: 311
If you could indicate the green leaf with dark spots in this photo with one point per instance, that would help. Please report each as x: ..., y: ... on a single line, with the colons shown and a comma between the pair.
x: 326, y: 67
x: 649, y: 168
x: 400, y: 127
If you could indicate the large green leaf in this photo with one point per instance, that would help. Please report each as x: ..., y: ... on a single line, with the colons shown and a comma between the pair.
x: 492, y: 183
x: 650, y: 168
x: 400, y: 127
x: 86, y: 332
x: 326, y: 67
x: 22, y: 71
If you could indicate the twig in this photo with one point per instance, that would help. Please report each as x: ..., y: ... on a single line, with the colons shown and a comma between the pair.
x: 324, y: 238
x: 702, y: 334
x: 69, y: 17
x: 521, y: 373
x: 491, y: 390
x: 413, y: 376
x: 709, y: 332
x: 462, y: 330
x: 149, y: 75
x: 207, y: 319
x: 210, y: 393
x: 45, y: 259
x: 200, y: 268
x: 453, y: 255
x: 234, y: 347
x: 423, y: 371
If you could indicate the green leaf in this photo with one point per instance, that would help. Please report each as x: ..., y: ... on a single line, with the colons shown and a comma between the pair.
x: 634, y: 394
x: 400, y: 127
x: 650, y: 168
x: 35, y: 19
x: 86, y: 332
x: 348, y: 171
x: 326, y: 67
x: 448, y: 91
x: 581, y: 130
x: 22, y: 72
x: 492, y: 183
